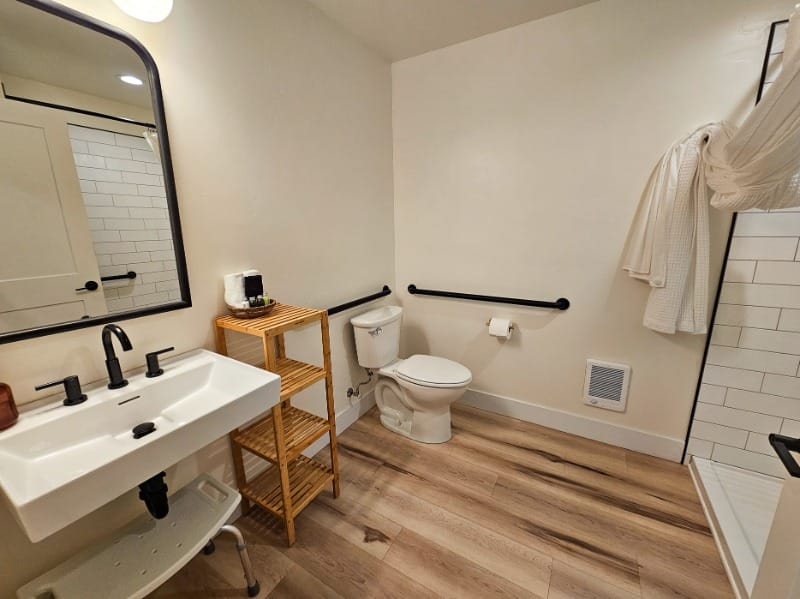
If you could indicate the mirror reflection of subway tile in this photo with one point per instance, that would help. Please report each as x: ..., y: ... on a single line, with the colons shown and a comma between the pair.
x: 99, y: 174
x: 115, y: 248
x: 145, y: 156
x: 156, y: 277
x: 120, y: 164
x: 146, y: 267
x: 97, y: 199
x: 166, y: 255
x: 89, y: 134
x: 156, y: 213
x: 79, y: 147
x: 143, y: 178
x: 119, y: 305
x: 106, y: 212
x: 110, y: 151
x: 171, y: 285
x: 153, y: 246
x: 129, y: 141
x: 91, y: 161
x: 123, y: 223
x: 152, y: 190
x: 130, y: 257
x: 105, y: 236
x: 132, y: 201
x: 151, y: 299
x: 116, y: 188
x: 158, y: 223
x: 141, y: 235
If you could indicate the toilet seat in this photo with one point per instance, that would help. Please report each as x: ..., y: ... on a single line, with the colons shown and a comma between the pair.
x: 433, y: 371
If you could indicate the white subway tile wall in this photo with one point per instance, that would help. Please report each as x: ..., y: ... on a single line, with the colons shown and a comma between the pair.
x: 125, y: 199
x: 751, y: 383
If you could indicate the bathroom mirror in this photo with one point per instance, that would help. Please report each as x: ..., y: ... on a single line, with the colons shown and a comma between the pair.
x: 90, y: 228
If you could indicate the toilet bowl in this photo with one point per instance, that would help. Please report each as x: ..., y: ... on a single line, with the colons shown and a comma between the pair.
x: 413, y: 394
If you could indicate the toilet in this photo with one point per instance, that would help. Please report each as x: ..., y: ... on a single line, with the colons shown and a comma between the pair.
x: 413, y: 394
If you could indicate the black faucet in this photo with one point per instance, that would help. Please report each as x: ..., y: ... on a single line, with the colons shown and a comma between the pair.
x: 115, y: 378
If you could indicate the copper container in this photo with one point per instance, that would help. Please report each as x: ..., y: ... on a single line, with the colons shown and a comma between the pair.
x: 8, y: 409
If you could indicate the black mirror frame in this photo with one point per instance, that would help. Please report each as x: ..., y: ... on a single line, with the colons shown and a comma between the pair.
x: 83, y: 20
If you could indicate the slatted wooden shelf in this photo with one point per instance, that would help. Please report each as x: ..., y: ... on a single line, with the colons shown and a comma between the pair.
x: 282, y: 318
x: 307, y: 478
x: 282, y: 435
x: 296, y: 376
x: 300, y: 429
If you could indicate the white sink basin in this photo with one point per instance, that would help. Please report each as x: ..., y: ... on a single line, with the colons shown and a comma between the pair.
x: 58, y: 463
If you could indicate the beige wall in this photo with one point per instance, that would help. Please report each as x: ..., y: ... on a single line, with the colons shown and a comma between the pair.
x: 281, y: 132
x: 519, y: 161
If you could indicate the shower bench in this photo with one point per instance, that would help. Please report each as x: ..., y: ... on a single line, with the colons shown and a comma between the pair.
x: 140, y: 557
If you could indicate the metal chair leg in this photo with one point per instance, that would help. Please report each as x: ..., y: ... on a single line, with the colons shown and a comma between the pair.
x: 253, y: 588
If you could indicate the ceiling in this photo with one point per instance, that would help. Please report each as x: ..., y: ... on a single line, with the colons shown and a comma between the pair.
x: 399, y: 29
x: 42, y: 47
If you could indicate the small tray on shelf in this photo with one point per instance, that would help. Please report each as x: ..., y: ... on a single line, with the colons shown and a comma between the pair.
x: 255, y: 312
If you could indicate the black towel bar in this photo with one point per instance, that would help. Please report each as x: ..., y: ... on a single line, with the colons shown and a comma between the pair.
x: 561, y: 303
x: 784, y: 446
x: 357, y: 302
x: 128, y: 275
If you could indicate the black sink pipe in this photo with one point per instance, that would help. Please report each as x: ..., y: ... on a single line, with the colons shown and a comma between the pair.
x: 153, y: 492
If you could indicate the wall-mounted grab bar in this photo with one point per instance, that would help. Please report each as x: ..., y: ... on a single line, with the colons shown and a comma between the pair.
x: 128, y: 275
x: 561, y: 303
x: 784, y: 446
x: 362, y: 300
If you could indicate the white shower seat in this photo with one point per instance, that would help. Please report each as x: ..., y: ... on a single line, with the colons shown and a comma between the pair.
x: 144, y: 554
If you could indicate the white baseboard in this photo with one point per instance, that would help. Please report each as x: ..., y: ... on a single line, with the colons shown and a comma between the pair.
x: 344, y: 420
x: 629, y: 438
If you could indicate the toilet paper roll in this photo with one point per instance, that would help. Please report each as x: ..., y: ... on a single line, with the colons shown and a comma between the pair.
x: 500, y: 327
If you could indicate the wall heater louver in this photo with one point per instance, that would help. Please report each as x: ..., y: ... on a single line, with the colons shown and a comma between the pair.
x: 606, y: 385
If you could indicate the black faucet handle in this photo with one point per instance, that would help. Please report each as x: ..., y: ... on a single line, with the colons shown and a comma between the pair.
x: 72, y: 385
x: 153, y: 368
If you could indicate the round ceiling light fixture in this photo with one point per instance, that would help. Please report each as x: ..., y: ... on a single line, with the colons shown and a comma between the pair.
x: 152, y: 11
x: 131, y: 80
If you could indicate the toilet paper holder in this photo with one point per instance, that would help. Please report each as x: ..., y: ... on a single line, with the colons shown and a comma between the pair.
x: 511, y: 328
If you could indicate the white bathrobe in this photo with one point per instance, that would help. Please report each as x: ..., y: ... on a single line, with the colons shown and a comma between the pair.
x: 756, y: 165
x: 669, y: 242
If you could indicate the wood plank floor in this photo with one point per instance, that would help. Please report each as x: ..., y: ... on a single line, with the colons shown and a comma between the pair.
x: 505, y: 509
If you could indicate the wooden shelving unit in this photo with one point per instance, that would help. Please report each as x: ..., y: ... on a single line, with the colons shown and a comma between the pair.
x: 282, y: 435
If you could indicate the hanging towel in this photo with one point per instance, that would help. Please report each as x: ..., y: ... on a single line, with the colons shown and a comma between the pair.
x: 669, y: 242
x: 757, y: 165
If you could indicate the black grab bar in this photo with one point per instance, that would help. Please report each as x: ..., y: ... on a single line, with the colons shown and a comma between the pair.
x: 561, y: 303
x: 128, y: 275
x: 784, y: 446
x: 357, y: 302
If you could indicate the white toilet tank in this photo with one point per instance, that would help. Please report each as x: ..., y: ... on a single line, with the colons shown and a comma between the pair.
x: 377, y: 335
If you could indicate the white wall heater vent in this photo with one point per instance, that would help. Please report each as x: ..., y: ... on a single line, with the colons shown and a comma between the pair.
x: 606, y: 385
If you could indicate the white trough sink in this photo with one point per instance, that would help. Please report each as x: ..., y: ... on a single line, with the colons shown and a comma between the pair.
x: 59, y: 463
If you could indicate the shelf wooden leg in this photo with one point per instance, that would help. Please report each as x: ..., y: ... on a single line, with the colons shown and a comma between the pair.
x: 238, y: 469
x: 280, y: 447
x: 326, y: 357
x: 281, y: 346
x: 270, y: 355
x: 222, y: 344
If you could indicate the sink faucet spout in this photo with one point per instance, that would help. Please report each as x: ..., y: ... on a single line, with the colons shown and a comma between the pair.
x: 115, y: 378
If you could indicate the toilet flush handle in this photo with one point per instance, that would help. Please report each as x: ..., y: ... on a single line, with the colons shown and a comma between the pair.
x: 376, y: 331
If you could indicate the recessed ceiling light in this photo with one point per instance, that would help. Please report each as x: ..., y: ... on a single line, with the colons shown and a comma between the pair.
x: 152, y: 11
x: 130, y: 80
